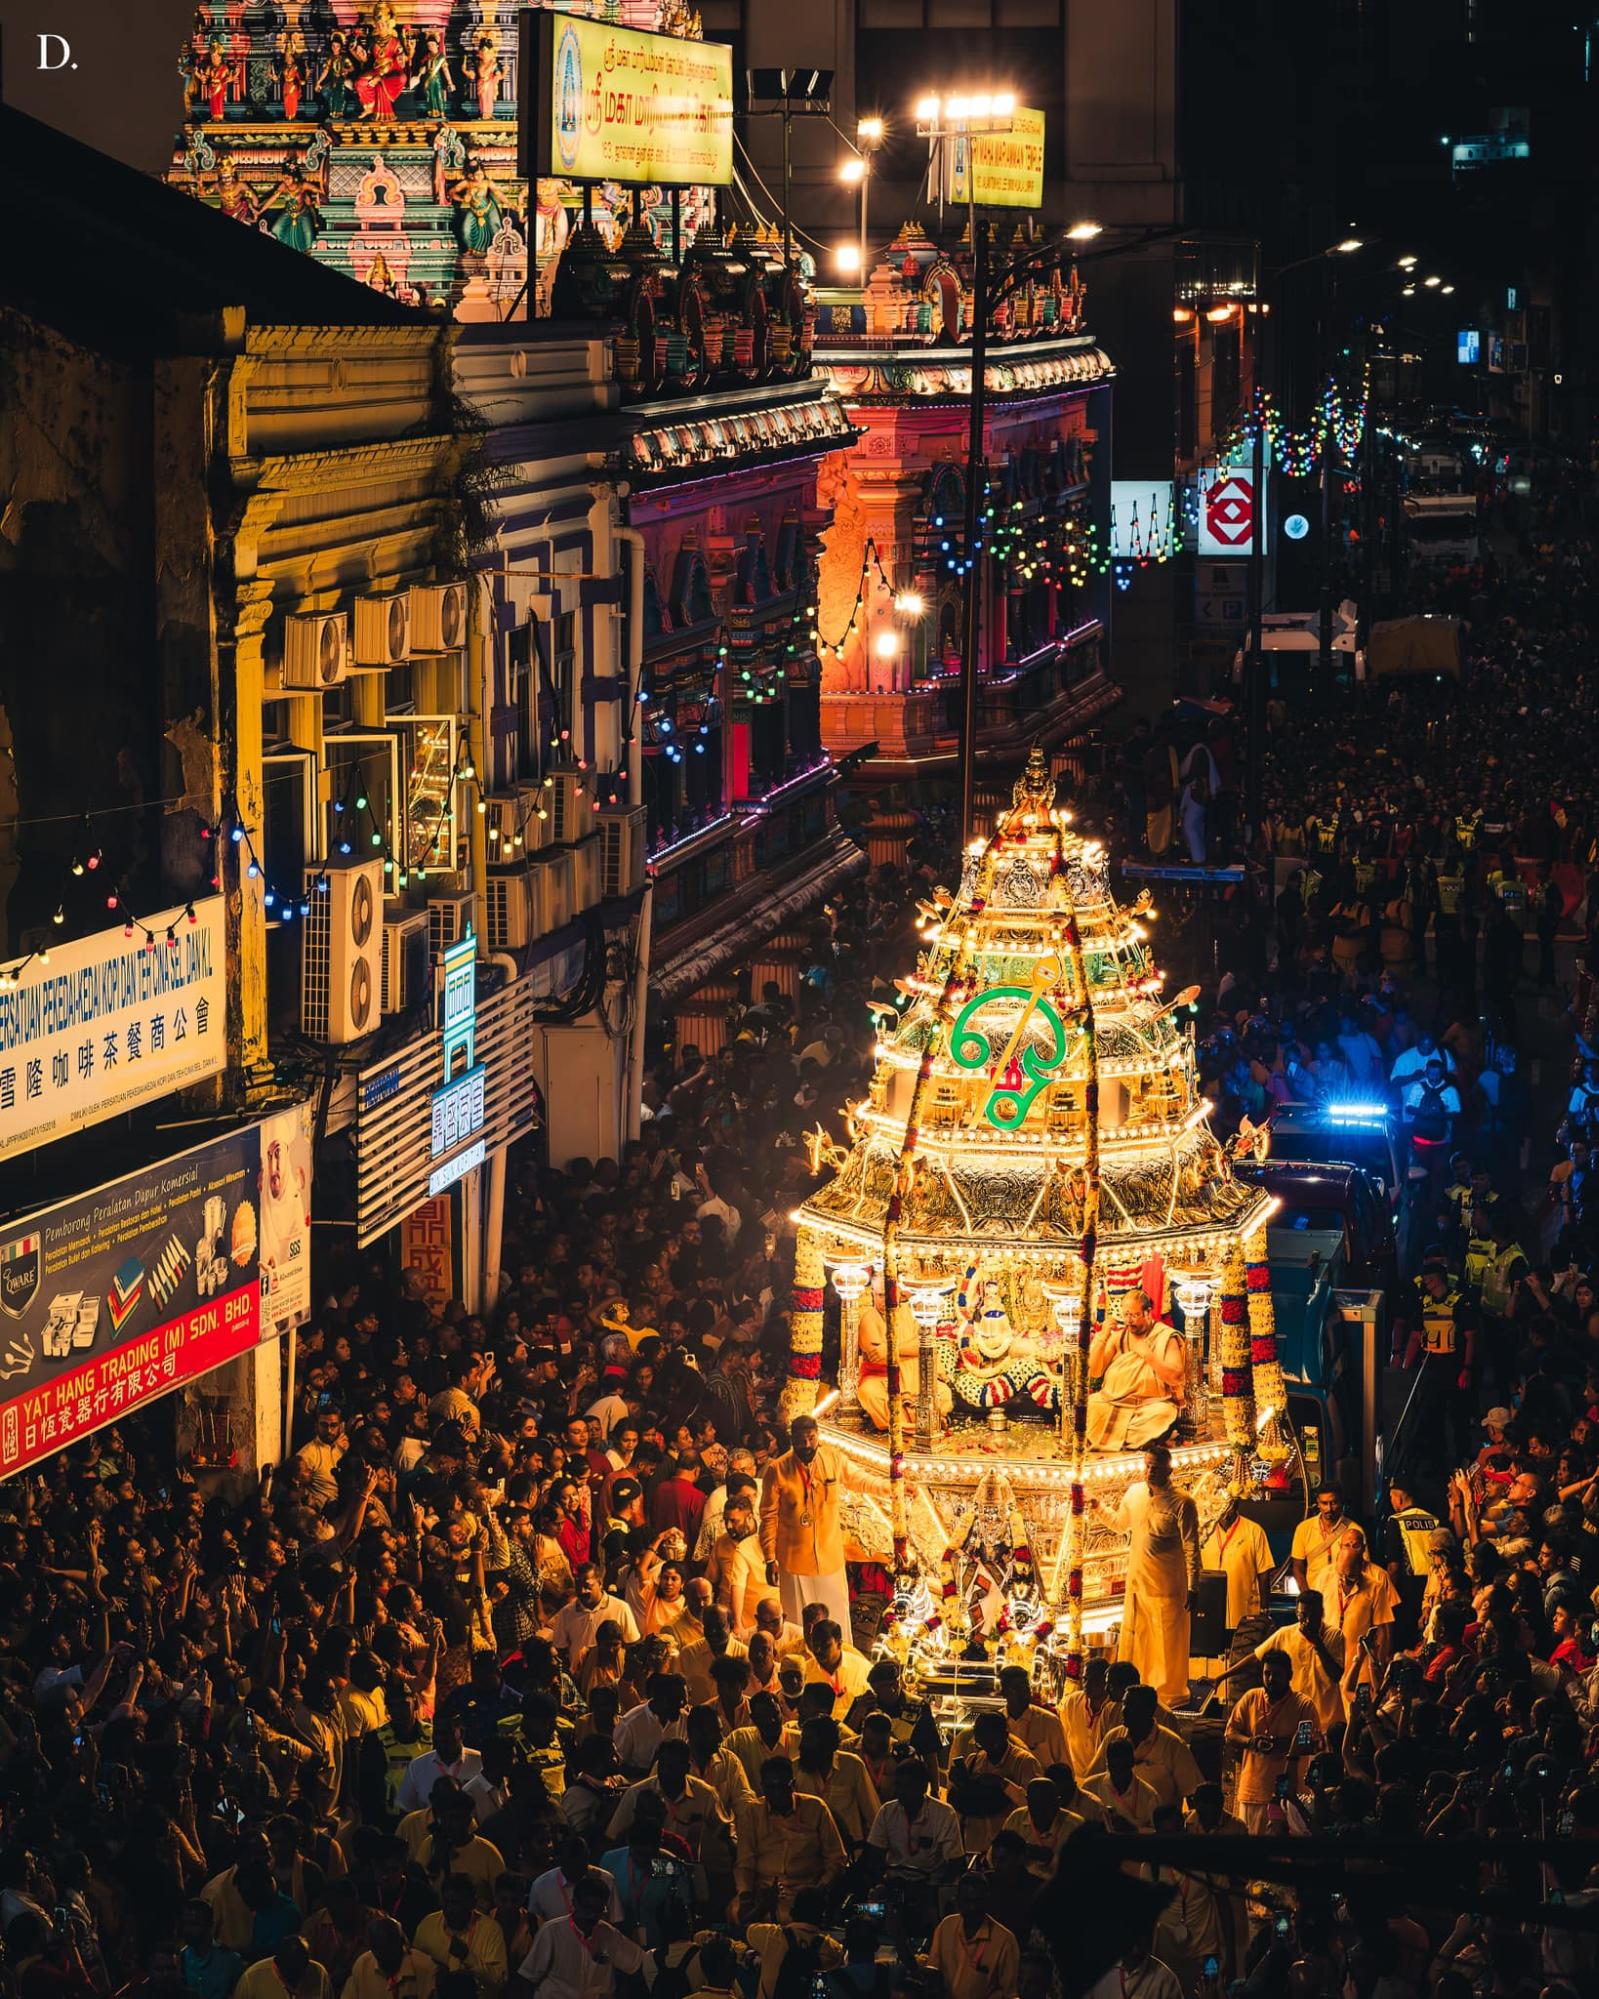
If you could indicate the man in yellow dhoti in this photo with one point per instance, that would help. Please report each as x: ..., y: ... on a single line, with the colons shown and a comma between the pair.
x: 1139, y: 1363
x: 1162, y: 1576
x: 872, y: 1388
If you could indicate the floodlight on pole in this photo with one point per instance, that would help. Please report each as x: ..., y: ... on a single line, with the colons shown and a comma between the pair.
x: 1084, y: 232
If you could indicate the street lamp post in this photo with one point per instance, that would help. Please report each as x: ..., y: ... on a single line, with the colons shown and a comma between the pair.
x: 1255, y: 673
x: 940, y: 119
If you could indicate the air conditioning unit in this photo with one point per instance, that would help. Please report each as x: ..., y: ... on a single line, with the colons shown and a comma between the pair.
x: 509, y: 898
x: 502, y: 827
x: 405, y: 959
x: 571, y: 814
x: 341, y: 945
x: 550, y: 882
x: 587, y: 871
x: 438, y: 617
x: 316, y: 648
x: 382, y: 631
x: 621, y: 849
x: 449, y: 919
x: 533, y: 798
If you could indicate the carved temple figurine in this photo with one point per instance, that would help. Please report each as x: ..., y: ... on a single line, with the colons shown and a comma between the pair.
x: 212, y: 78
x: 293, y: 73
x: 435, y: 79
x: 481, y: 204
x: 488, y: 73
x: 334, y: 83
x: 298, y: 221
x: 233, y: 195
x: 382, y: 76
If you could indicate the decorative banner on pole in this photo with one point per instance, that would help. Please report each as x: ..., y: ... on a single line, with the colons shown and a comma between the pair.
x: 998, y: 169
x: 1229, y: 509
x: 119, y: 1295
x: 607, y: 103
x: 110, y: 1022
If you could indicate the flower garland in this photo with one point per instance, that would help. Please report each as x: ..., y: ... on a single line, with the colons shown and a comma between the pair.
x: 1237, y: 1380
x: 1265, y: 1364
x: 805, y: 1334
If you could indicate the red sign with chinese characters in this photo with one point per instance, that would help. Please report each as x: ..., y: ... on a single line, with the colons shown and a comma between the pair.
x: 112, y: 1385
x: 118, y: 1295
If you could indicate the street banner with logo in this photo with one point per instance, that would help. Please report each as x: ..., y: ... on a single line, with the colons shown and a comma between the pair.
x: 1229, y: 509
x: 117, y: 1296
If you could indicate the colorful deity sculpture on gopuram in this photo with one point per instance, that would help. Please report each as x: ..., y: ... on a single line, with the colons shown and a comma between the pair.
x: 1034, y: 1254
x: 380, y: 137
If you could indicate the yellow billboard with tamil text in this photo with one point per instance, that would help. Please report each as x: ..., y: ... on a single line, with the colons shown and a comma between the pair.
x: 998, y: 169
x: 608, y: 103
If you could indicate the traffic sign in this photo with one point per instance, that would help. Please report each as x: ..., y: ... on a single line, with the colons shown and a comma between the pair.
x: 1296, y: 527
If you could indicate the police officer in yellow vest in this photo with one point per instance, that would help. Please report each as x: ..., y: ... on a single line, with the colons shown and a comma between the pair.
x: 1479, y: 1248
x: 1499, y: 1289
x: 387, y: 1753
x: 1443, y: 1343
x: 1409, y: 1549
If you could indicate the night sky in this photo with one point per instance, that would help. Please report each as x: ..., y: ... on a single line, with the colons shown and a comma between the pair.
x: 124, y: 95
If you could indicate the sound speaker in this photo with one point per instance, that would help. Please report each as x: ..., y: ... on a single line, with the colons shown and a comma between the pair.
x: 1207, y: 1628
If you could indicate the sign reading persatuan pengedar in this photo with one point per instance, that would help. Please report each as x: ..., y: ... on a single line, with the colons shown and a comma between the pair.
x: 92, y: 1028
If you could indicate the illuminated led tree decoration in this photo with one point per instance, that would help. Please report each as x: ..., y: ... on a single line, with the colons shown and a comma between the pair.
x: 1034, y: 1141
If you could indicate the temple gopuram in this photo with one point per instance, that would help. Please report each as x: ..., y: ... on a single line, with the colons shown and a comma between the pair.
x: 382, y: 140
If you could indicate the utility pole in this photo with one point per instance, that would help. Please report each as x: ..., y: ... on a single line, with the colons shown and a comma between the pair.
x: 975, y: 467
x: 1324, y: 631
x: 1254, y: 668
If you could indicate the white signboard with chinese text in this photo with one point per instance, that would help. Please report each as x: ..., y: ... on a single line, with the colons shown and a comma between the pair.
x: 112, y: 1021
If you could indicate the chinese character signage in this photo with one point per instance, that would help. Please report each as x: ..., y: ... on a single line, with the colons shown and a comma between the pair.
x: 427, y: 1247
x: 117, y: 1296
x: 111, y: 1022
x: 999, y: 169
x: 609, y: 103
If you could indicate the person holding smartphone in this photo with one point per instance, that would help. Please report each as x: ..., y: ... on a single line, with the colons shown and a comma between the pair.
x: 1272, y: 1728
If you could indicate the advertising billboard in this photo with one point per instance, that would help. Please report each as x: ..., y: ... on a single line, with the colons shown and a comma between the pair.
x: 113, y: 1298
x: 998, y: 169
x: 607, y: 103
x: 95, y: 1027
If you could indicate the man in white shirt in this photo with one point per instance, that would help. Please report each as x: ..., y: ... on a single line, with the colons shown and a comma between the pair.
x: 575, y: 1625
x: 578, y: 1956
x: 607, y: 1410
x: 447, y: 1758
x: 917, y: 1837
x: 553, y: 1893
x: 643, y: 1729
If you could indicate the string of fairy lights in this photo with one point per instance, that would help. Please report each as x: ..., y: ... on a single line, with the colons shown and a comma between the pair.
x: 1338, y: 419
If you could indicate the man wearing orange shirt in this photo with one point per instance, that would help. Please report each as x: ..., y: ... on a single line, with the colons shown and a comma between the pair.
x: 1265, y: 1728
x: 800, y: 1533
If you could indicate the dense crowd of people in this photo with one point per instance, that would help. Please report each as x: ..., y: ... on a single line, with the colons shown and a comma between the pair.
x: 498, y: 1686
